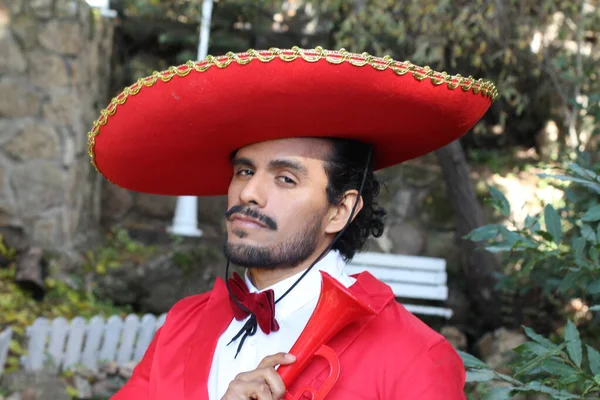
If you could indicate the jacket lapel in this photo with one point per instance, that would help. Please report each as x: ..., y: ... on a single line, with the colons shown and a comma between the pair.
x: 372, y: 292
x: 212, y: 323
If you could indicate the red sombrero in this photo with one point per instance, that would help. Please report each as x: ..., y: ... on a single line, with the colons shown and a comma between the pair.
x: 173, y: 132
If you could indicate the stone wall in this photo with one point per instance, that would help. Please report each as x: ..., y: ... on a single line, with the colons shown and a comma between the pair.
x: 54, y: 71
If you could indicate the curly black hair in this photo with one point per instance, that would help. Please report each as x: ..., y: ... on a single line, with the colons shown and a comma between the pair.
x: 345, y: 170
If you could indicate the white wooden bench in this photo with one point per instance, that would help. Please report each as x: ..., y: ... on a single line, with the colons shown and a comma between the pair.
x: 410, y: 277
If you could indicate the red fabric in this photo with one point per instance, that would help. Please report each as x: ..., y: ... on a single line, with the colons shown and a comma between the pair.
x: 261, y: 304
x: 392, y: 355
x: 176, y: 137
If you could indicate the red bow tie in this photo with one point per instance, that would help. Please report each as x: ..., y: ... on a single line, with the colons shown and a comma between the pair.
x: 262, y: 304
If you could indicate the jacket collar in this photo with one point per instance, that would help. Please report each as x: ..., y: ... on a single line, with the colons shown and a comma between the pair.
x: 217, y: 316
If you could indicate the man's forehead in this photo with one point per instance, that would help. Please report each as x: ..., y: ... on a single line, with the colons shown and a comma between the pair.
x: 312, y: 148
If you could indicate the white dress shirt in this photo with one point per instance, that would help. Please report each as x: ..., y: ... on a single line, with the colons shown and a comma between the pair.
x: 292, y: 314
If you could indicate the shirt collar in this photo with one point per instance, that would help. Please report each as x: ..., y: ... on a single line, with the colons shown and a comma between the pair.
x: 309, y: 288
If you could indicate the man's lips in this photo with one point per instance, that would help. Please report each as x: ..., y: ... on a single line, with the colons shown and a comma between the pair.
x: 246, y: 221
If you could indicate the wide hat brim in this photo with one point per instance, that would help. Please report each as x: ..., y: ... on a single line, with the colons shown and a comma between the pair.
x: 173, y: 132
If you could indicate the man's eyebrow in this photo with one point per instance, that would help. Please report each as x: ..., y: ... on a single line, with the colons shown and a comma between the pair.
x: 242, y: 161
x: 294, y: 165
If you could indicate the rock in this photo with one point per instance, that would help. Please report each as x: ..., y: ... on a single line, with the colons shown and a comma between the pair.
x: 66, y: 8
x: 408, y: 237
x: 44, y: 385
x: 62, y: 37
x: 155, y: 285
x: 106, y: 388
x: 7, y: 212
x: 45, y: 232
x: 49, y: 70
x: 30, y: 270
x: 12, y: 59
x: 25, y: 29
x: 109, y: 368
x: 403, y: 203
x: 14, y: 6
x: 38, y: 186
x: 116, y: 202
x: 83, y: 386
x: 459, y: 303
x: 22, y: 100
x: 33, y: 141
x: 211, y: 211
x: 155, y: 205
x: 60, y: 108
x: 457, y: 339
x: 28, y: 394
x: 41, y: 8
x: 496, y: 348
x: 125, y: 371
x: 15, y: 396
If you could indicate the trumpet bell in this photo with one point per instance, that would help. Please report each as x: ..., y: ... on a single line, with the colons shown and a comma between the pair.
x: 336, y: 308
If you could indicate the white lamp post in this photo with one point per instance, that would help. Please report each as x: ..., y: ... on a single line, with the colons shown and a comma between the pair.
x: 185, y: 221
x: 103, y: 6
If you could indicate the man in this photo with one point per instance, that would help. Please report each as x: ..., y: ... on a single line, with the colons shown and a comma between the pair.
x: 292, y: 137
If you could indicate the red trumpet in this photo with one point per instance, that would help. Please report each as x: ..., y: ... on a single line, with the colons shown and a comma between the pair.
x: 336, y: 308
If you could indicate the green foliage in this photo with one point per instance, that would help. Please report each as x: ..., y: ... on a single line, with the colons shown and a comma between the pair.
x: 64, y: 299
x: 541, y: 75
x: 117, y: 249
x: 559, y: 251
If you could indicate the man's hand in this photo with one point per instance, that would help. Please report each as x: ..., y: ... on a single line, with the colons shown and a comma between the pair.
x: 263, y: 383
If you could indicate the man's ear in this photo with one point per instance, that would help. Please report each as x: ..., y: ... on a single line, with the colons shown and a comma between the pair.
x: 341, y: 212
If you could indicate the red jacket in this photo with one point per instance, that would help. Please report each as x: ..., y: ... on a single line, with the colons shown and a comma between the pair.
x: 390, y: 356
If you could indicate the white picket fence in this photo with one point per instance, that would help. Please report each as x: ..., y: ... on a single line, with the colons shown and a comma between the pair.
x: 63, y: 344
x: 5, y: 337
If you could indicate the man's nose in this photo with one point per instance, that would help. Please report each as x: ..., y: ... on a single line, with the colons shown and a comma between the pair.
x: 253, y: 191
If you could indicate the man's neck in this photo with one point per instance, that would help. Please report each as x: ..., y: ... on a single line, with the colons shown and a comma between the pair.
x: 263, y: 278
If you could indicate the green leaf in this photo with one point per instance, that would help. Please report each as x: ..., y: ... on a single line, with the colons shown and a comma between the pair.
x: 484, y: 233
x: 498, y: 393
x: 593, y: 214
x: 532, y: 347
x: 583, y: 172
x: 539, y: 338
x: 594, y: 359
x: 480, y: 375
x: 500, y: 202
x: 545, y: 235
x: 532, y: 223
x: 540, y: 387
x: 588, y: 233
x: 515, y: 238
x: 553, y: 223
x: 471, y: 361
x: 568, y: 281
x: 594, y: 287
x: 558, y: 368
x: 579, y: 247
x: 573, y: 343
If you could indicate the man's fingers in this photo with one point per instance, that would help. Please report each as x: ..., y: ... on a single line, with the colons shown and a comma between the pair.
x: 276, y: 385
x: 276, y: 359
x: 244, y: 390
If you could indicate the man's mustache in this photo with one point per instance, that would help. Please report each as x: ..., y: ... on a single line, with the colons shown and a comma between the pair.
x: 252, y: 213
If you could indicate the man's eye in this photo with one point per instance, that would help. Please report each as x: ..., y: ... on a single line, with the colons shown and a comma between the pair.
x: 286, y: 180
x: 244, y: 172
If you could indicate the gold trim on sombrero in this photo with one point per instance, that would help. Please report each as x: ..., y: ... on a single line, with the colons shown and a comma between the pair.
x: 486, y: 88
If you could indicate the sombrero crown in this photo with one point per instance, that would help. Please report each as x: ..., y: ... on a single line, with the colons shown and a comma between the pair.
x: 173, y: 132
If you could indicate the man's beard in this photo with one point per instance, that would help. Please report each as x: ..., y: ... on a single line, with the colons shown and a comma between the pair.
x: 288, y: 254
